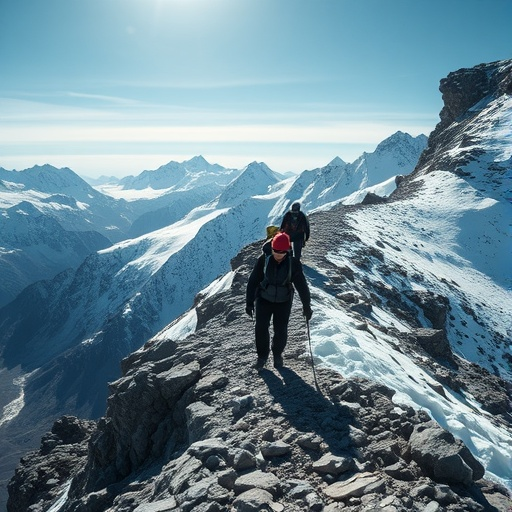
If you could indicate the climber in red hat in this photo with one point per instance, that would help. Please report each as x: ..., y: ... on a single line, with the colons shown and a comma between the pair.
x: 271, y: 288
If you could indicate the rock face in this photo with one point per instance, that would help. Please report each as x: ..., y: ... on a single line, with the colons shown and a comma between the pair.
x: 467, y: 95
x: 464, y: 88
x: 191, y: 426
x: 63, y: 450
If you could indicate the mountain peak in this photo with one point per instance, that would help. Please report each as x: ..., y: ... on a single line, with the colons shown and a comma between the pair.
x: 469, y: 139
x: 400, y: 138
x: 256, y: 166
x: 49, y: 179
x: 196, y: 163
x: 197, y: 160
x: 175, y: 175
x: 337, y: 162
x: 256, y: 177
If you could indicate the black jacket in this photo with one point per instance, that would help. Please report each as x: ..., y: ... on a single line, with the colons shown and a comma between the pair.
x: 274, y: 286
x: 298, y: 230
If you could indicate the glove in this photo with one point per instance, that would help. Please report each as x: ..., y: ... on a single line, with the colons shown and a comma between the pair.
x: 249, y: 309
x: 307, y: 312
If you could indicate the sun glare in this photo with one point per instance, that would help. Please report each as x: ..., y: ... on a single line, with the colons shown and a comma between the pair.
x: 187, y: 13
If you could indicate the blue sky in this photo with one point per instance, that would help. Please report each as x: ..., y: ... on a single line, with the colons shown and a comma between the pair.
x: 118, y: 86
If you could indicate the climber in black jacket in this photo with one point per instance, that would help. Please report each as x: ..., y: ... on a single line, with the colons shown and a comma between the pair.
x: 296, y: 225
x: 271, y: 288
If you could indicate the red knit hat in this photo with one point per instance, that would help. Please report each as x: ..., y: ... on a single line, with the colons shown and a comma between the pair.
x: 281, y: 242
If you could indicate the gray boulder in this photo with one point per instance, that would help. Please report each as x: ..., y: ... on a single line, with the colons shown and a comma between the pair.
x: 442, y: 457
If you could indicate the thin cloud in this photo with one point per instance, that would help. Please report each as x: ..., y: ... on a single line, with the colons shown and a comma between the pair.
x: 116, y: 100
x: 201, y: 83
x: 137, y: 113
x: 340, y: 133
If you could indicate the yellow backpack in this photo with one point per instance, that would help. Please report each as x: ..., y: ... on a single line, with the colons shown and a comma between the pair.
x: 272, y: 231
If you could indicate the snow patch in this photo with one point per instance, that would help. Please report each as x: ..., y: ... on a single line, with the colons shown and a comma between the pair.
x: 61, y: 501
x: 13, y: 408
x: 356, y: 353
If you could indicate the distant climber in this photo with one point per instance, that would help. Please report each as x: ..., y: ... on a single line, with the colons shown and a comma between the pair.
x: 296, y: 225
x: 270, y: 289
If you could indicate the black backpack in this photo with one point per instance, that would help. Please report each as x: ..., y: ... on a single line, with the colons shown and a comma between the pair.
x: 296, y: 222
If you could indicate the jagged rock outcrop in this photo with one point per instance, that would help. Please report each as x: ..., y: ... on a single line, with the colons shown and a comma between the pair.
x: 371, y: 198
x: 191, y: 426
x: 464, y: 88
x: 62, y: 451
x: 468, y: 94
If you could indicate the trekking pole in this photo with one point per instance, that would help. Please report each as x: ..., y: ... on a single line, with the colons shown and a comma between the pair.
x: 311, y: 353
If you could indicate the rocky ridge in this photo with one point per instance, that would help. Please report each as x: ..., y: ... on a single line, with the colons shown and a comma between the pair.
x: 469, y: 94
x: 191, y: 426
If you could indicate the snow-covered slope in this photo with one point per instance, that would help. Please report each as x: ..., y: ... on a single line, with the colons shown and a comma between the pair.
x: 396, y: 155
x: 35, y: 247
x: 169, y: 208
x: 63, y: 194
x: 50, y: 220
x: 437, y: 242
x: 166, y: 195
x: 256, y: 178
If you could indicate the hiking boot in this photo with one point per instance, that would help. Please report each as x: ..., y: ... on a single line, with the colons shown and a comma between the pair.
x: 278, y: 362
x: 260, y: 363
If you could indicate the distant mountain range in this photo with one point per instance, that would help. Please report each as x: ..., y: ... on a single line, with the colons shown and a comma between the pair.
x: 193, y: 173
x: 64, y: 216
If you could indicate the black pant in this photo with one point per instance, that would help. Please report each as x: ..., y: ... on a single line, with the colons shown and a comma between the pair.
x: 297, y: 247
x: 280, y: 313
